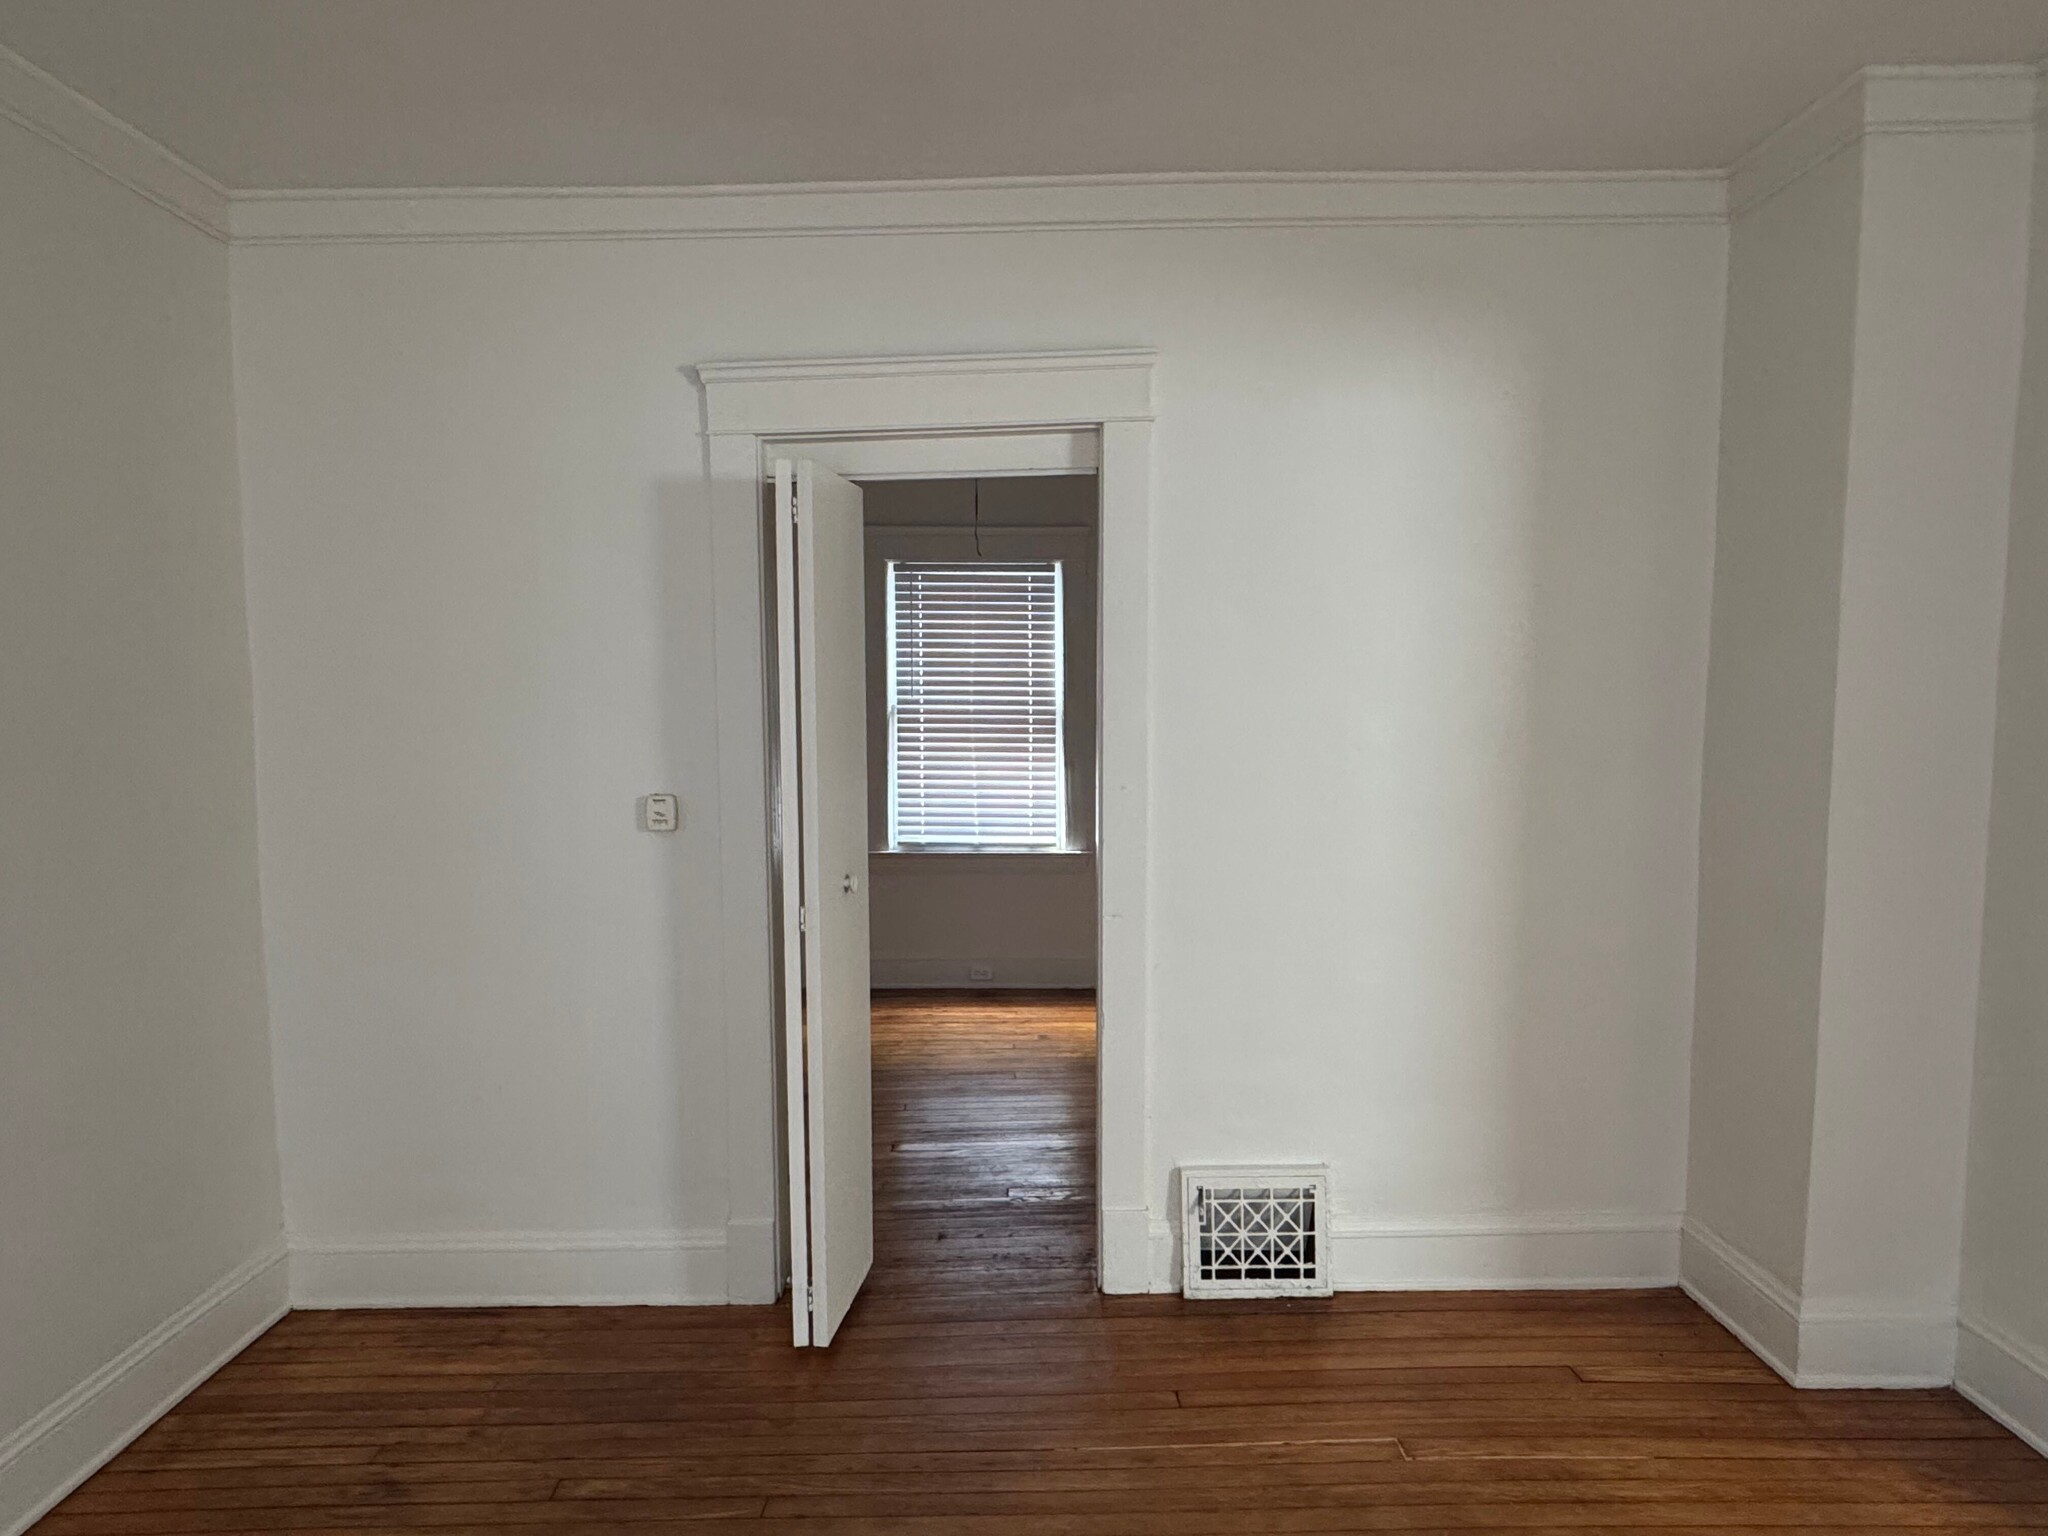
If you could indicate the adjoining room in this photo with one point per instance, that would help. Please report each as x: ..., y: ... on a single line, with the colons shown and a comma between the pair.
x: 981, y: 606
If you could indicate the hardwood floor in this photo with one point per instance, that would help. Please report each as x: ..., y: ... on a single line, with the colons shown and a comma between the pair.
x: 984, y: 1152
x: 981, y: 1387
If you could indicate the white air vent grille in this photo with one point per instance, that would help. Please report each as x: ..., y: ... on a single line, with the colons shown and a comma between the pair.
x: 1255, y: 1231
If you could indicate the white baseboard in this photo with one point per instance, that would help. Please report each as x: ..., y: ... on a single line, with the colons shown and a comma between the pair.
x: 1057, y: 973
x: 1744, y: 1297
x: 75, y: 1436
x: 1813, y: 1344
x: 511, y: 1269
x: 2005, y: 1377
x: 1855, y: 1347
x: 1526, y: 1251
x: 1570, y: 1250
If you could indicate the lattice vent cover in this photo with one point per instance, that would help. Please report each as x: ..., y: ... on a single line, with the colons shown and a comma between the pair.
x: 1255, y: 1231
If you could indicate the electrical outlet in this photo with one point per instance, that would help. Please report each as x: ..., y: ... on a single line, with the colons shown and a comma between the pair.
x: 981, y: 973
x: 660, y: 813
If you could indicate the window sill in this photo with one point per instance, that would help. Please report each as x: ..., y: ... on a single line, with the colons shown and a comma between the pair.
x: 961, y: 860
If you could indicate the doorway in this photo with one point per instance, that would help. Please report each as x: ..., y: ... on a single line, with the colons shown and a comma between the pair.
x: 936, y: 788
x: 981, y: 686
x: 961, y: 414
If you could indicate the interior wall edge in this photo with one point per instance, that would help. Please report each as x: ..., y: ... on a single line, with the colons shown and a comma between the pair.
x: 75, y: 1436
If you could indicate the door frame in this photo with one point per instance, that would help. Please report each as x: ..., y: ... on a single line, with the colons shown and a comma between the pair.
x: 985, y: 415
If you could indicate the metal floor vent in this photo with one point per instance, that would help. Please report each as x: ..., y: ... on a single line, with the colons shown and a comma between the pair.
x: 1255, y: 1231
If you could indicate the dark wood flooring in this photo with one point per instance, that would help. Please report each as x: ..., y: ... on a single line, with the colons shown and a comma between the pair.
x: 984, y: 1153
x: 982, y: 1387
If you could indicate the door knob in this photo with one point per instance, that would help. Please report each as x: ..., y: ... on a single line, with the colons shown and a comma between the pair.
x: 849, y: 884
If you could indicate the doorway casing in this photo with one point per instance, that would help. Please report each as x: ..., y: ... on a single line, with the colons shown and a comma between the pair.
x: 983, y: 415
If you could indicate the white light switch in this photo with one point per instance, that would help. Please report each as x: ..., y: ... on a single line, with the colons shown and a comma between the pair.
x: 658, y: 813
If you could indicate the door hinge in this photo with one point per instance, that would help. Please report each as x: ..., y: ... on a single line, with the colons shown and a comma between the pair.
x: 803, y: 920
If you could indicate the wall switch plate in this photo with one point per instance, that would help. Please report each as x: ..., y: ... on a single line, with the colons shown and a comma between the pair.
x: 981, y: 973
x: 659, y: 813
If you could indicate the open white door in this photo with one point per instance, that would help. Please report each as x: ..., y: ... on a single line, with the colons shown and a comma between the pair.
x: 821, y: 662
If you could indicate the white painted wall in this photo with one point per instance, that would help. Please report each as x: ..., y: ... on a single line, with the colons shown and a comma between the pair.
x: 1770, y: 711
x: 2003, y: 1360
x: 1940, y: 292
x: 1028, y: 919
x: 1431, y: 570
x: 138, y: 1153
x: 1871, y: 387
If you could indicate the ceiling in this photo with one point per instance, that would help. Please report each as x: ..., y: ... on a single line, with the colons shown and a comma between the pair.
x: 396, y: 93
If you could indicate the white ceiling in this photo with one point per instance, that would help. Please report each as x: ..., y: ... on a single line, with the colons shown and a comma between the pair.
x: 338, y: 93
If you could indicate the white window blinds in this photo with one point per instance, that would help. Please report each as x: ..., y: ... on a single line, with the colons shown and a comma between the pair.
x: 975, y: 704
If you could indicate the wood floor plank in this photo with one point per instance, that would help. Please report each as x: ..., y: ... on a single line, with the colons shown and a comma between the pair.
x: 982, y: 1387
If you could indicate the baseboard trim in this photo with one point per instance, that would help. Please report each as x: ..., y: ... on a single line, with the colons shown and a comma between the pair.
x: 1059, y: 974
x: 67, y: 1442
x: 2005, y: 1377
x: 1812, y: 1344
x: 1741, y: 1295
x: 1524, y: 1251
x: 1520, y: 1251
x: 512, y: 1269
x: 1852, y: 1347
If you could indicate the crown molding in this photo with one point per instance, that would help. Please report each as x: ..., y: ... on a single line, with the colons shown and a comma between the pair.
x: 1886, y: 100
x: 1003, y: 205
x: 1878, y: 100
x: 51, y: 110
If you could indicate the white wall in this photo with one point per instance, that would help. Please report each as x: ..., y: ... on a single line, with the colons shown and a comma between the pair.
x: 1770, y: 711
x: 1431, y: 568
x: 1028, y: 920
x: 1939, y: 298
x: 139, y: 1217
x: 2003, y: 1360
x: 1871, y: 386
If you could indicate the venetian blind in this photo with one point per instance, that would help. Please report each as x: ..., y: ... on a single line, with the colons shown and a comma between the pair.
x: 975, y: 697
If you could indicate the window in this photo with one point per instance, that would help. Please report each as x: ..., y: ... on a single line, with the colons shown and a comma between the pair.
x: 976, y: 696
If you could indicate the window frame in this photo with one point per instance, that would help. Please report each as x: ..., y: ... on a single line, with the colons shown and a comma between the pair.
x: 1062, y: 840
x: 1073, y: 545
